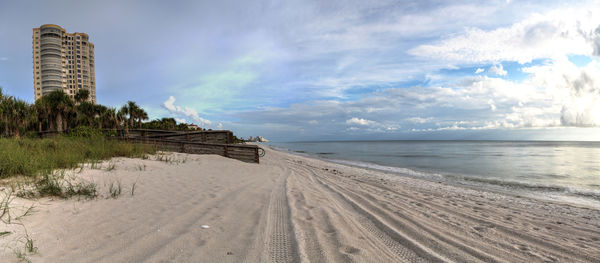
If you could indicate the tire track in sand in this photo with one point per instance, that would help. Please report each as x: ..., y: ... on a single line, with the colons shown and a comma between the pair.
x: 280, y: 240
x: 402, y: 248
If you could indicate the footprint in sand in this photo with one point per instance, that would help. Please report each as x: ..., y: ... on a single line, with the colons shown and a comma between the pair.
x: 350, y: 250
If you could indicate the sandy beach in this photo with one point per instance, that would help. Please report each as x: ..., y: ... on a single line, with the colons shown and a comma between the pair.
x: 288, y: 208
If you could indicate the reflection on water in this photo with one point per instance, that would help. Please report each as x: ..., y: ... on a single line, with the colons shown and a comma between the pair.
x: 566, y: 164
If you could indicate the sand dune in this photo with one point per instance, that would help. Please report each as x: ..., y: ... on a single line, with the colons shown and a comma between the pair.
x: 291, y: 208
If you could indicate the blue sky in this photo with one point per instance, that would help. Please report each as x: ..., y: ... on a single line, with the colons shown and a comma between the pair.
x: 336, y: 70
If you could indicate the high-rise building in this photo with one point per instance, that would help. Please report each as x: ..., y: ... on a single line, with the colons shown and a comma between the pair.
x: 62, y: 60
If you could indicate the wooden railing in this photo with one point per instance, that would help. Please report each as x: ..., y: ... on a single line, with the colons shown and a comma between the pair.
x: 196, y: 142
x: 242, y: 152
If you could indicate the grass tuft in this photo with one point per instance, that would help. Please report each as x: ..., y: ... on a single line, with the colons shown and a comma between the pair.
x: 133, y: 189
x: 34, y: 157
x: 114, y: 190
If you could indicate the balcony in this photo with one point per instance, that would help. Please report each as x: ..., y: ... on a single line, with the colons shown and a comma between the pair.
x: 50, y: 40
x: 46, y: 78
x: 50, y: 52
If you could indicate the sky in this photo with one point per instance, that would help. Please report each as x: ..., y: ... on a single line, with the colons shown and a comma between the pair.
x: 335, y: 70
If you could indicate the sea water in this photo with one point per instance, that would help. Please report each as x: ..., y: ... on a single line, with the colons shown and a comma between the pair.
x: 559, y: 170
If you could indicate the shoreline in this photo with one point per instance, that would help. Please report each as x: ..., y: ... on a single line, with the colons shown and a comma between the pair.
x: 291, y: 208
x: 570, y: 195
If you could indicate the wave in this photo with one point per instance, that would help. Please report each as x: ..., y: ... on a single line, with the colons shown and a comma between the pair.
x: 516, y: 187
x: 477, y: 181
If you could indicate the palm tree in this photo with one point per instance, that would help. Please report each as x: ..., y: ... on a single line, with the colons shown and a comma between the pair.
x: 82, y: 95
x: 141, y: 115
x: 109, y: 119
x: 42, y: 108
x: 61, y: 107
x: 2, y: 118
x: 21, y: 111
x: 99, y: 112
x: 130, y: 112
x: 133, y: 110
x: 7, y: 112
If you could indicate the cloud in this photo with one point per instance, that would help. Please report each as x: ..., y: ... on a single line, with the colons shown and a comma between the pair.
x: 188, y: 112
x: 497, y: 70
x: 554, y: 94
x: 419, y: 120
x: 219, y: 126
x: 178, y: 120
x: 3, y: 58
x: 577, y: 90
x: 596, y: 41
x: 359, y: 121
x: 479, y: 70
x: 558, y: 32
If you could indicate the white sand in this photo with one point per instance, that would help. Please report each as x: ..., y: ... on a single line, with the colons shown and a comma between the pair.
x: 291, y: 208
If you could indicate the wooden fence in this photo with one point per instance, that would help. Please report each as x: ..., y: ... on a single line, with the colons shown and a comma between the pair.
x: 219, y: 136
x: 196, y: 142
x: 242, y: 152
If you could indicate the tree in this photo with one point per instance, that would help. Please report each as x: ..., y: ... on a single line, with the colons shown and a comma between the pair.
x: 82, y: 95
x: 43, y: 114
x: 61, y: 107
x: 141, y: 115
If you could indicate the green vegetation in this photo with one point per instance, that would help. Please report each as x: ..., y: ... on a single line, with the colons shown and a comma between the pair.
x: 33, y: 157
x: 57, y: 112
x: 114, y: 190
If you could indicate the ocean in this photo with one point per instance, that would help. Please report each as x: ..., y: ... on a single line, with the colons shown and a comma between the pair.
x: 563, y: 171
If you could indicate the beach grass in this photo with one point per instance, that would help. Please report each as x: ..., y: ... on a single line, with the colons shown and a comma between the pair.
x: 37, y: 157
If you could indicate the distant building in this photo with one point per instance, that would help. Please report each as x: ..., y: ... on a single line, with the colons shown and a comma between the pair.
x: 257, y: 139
x: 194, y: 127
x: 62, y: 60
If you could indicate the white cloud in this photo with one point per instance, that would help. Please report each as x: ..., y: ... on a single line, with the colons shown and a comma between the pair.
x: 559, y: 32
x: 596, y: 41
x: 313, y: 122
x: 492, y: 105
x: 419, y: 120
x: 3, y: 58
x: 359, y: 121
x: 479, y: 70
x: 178, y: 120
x: 188, y: 112
x: 576, y: 91
x: 498, y: 70
x: 220, y: 126
x: 554, y: 94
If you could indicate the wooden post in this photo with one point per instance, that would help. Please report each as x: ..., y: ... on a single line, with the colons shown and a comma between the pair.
x: 183, y: 147
x: 226, y: 154
x: 256, y: 158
